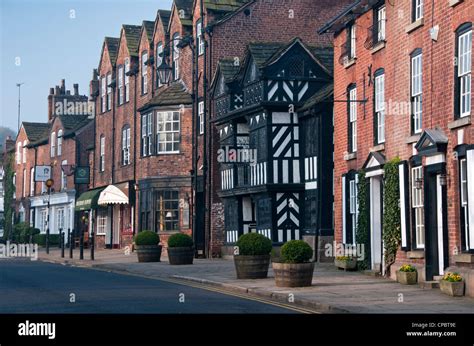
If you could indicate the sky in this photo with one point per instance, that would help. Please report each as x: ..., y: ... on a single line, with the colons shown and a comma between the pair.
x: 44, y: 41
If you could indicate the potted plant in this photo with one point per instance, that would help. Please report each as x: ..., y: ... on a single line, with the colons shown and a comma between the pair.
x: 294, y: 268
x: 452, y: 284
x: 147, y: 246
x: 407, y: 275
x: 345, y: 262
x: 180, y: 249
x: 253, y: 256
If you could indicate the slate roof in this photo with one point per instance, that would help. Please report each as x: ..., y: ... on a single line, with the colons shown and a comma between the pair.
x: 72, y: 123
x: 165, y: 17
x: 132, y: 34
x: 228, y: 69
x: 149, y: 26
x: 187, y: 7
x: 224, y: 5
x: 326, y: 93
x: 36, y: 132
x: 174, y: 95
x: 112, y: 46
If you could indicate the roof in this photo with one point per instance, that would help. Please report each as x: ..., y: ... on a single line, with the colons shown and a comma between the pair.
x: 112, y: 47
x: 132, y: 35
x: 326, y: 93
x: 224, y: 5
x: 262, y: 51
x: 174, y: 95
x: 72, y: 123
x: 149, y: 26
x: 351, y: 12
x: 228, y: 69
x: 36, y: 132
x: 187, y: 7
x: 165, y: 17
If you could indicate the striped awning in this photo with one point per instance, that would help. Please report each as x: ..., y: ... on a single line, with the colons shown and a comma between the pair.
x: 112, y: 195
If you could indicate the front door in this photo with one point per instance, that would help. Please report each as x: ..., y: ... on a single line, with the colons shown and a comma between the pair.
x: 376, y: 205
x: 436, y: 251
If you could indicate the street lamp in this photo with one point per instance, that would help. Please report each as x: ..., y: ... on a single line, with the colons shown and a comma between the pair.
x: 164, y: 72
x: 49, y: 184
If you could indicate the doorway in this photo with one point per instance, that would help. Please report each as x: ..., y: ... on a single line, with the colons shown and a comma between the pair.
x: 376, y: 209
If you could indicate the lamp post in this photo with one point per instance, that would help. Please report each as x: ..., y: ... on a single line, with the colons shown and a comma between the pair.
x: 49, y: 184
x: 19, y: 102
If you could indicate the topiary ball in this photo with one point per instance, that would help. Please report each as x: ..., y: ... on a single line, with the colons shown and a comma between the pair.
x: 180, y: 240
x: 147, y: 238
x: 296, y: 251
x: 254, y: 244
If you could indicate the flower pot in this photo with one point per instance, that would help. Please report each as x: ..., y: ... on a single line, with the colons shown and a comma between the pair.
x: 346, y: 265
x: 454, y: 289
x: 181, y: 255
x: 148, y: 253
x: 406, y: 278
x: 293, y: 274
x: 252, y: 267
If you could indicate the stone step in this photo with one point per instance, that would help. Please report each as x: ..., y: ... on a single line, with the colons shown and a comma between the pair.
x: 437, y: 278
x: 372, y: 272
x: 428, y: 285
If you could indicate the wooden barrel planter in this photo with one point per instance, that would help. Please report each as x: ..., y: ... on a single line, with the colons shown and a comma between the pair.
x: 148, y: 253
x: 252, y: 267
x: 293, y: 274
x: 181, y: 255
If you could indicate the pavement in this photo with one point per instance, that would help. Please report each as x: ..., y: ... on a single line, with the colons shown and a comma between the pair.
x: 332, y: 291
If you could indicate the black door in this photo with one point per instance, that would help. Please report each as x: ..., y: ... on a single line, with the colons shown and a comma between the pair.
x: 431, y: 226
x: 199, y: 229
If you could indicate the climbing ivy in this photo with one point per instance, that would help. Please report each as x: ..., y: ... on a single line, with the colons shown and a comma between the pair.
x: 391, y: 216
x: 362, y: 230
x: 9, y: 190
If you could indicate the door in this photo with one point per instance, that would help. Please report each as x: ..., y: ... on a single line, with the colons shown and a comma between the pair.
x: 435, y: 235
x: 376, y: 205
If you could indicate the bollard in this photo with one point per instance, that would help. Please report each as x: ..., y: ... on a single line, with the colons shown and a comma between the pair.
x: 61, y: 239
x: 47, y: 240
x: 71, y: 241
x: 92, y: 240
x: 81, y: 246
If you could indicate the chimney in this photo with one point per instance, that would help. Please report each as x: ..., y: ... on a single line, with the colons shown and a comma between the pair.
x: 76, y: 89
x: 63, y: 86
x: 57, y: 90
x: 51, y: 104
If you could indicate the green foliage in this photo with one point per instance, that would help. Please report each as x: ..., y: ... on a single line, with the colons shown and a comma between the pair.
x: 180, y: 240
x: 363, y: 225
x: 40, y: 239
x: 391, y: 217
x: 296, y: 251
x: 9, y: 190
x: 254, y: 244
x: 23, y: 233
x: 147, y: 238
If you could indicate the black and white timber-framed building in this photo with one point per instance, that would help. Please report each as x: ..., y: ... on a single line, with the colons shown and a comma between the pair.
x: 274, y: 116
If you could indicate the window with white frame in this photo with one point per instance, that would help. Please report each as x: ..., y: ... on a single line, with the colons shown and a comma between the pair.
x: 418, y: 9
x: 353, y: 41
x: 101, y: 222
x: 159, y: 61
x: 14, y: 184
x: 43, y: 219
x: 18, y: 153
x: 380, y: 107
x: 353, y: 207
x: 176, y: 56
x: 199, y: 37
x: 109, y: 91
x: 416, y: 92
x: 120, y: 85
x: 127, y: 79
x: 24, y: 151
x: 126, y: 145
x: 144, y: 73
x: 23, y: 187
x: 60, y: 142
x: 63, y: 176
x: 464, y: 202
x: 147, y: 134
x: 464, y: 64
x: 60, y: 219
x: 201, y: 117
x: 53, y: 144
x: 417, y: 206
x: 32, y: 181
x: 168, y: 132
x: 102, y: 154
x: 381, y: 19
x: 352, y: 119
x: 103, y: 89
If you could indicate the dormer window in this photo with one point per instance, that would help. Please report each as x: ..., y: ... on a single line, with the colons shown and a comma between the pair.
x: 144, y: 73
x: 109, y: 91
x: 53, y: 144
x: 159, y: 61
x: 127, y: 80
x: 60, y: 142
x: 120, y: 85
x: 176, y: 56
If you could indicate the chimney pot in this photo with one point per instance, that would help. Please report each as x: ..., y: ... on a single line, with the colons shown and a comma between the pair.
x: 63, y: 86
x: 51, y: 91
x: 76, y: 89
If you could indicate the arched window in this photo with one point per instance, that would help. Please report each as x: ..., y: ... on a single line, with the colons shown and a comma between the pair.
x: 18, y: 153
x: 126, y: 145
x: 24, y: 151
x: 60, y: 142
x: 102, y: 154
x: 53, y: 144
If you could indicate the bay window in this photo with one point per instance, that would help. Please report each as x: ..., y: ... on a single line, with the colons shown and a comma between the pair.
x: 168, y: 132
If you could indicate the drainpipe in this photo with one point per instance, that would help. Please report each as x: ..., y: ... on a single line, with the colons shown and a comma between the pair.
x: 113, y: 166
x: 135, y: 149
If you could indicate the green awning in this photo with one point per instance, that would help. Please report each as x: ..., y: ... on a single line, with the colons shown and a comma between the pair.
x: 88, y: 200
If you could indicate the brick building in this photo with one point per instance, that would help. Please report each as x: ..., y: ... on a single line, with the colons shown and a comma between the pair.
x: 399, y: 95
x: 59, y: 146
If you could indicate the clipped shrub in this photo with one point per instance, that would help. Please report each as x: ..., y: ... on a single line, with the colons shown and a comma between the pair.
x: 40, y: 239
x: 180, y: 240
x: 147, y: 238
x: 296, y: 251
x: 254, y: 244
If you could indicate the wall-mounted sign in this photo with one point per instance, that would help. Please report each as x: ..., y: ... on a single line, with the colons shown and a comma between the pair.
x: 42, y: 173
x: 81, y: 175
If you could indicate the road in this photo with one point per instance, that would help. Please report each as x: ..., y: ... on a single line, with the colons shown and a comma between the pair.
x: 37, y: 287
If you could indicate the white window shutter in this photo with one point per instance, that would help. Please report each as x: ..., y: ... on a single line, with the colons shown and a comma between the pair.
x: 343, y: 209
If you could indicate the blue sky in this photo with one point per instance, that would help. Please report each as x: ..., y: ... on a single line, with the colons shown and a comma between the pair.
x: 51, y: 45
